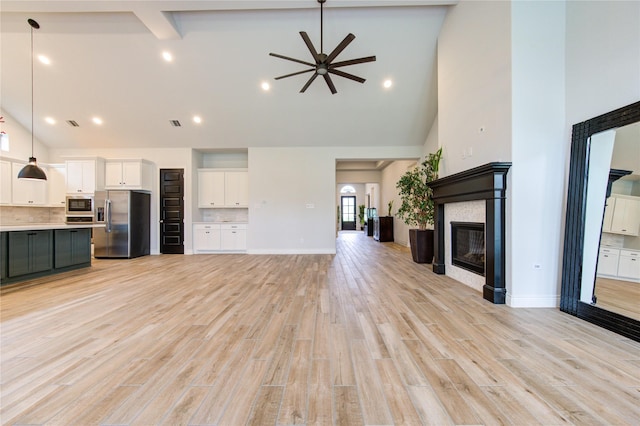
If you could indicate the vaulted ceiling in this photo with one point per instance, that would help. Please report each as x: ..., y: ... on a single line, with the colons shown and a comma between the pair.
x: 106, y: 62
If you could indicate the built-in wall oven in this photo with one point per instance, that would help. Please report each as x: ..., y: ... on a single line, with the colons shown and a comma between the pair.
x: 80, y: 209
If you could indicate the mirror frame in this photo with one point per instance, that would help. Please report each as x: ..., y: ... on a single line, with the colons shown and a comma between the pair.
x: 575, y: 223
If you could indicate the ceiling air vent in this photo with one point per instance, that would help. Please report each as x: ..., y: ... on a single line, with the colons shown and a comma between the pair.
x: 175, y: 123
x: 73, y: 123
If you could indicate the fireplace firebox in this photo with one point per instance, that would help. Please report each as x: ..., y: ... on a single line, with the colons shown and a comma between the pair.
x: 468, y: 246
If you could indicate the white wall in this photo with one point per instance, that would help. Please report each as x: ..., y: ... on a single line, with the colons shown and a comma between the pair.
x: 538, y: 139
x: 283, y: 181
x: 474, y: 85
x: 603, y: 57
x: 390, y: 176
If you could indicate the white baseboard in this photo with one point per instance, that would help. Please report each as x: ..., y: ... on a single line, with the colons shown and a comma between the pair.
x: 533, y: 301
x: 292, y: 251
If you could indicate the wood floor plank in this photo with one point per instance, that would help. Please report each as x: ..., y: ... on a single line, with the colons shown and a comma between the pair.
x: 294, y: 401
x: 372, y: 398
x: 360, y: 337
x: 266, y: 406
x: 347, y: 407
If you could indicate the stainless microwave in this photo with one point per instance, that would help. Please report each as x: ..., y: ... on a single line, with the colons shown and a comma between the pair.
x: 79, y: 205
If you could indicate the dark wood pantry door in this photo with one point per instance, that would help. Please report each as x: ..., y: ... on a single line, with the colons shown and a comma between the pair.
x: 172, y: 211
x: 348, y: 212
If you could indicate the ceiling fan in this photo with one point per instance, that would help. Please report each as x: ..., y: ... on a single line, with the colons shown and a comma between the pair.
x: 324, y: 64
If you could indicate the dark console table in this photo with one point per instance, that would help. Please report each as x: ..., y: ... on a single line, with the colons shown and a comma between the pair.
x: 383, y: 228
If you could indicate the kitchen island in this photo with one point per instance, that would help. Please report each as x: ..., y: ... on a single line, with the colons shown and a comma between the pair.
x: 34, y: 250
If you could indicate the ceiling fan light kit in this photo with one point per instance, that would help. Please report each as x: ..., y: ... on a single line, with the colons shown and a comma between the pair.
x: 324, y: 65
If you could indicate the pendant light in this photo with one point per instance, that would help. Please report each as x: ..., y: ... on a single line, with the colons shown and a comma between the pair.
x: 31, y: 170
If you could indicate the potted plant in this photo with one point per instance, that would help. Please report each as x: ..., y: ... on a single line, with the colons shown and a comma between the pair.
x: 361, y: 216
x: 417, y: 206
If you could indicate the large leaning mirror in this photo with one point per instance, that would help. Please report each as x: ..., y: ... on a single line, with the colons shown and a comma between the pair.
x: 601, y: 264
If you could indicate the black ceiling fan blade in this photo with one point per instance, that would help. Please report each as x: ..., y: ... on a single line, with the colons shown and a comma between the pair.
x: 292, y: 59
x: 347, y: 75
x: 308, y: 83
x: 343, y: 44
x: 352, y: 62
x: 310, y: 46
x: 295, y: 73
x: 330, y: 84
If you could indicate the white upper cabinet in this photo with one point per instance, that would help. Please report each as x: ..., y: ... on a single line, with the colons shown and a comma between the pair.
x: 28, y: 192
x: 5, y: 182
x: 210, y: 188
x: 56, y: 176
x: 236, y: 189
x: 223, y: 188
x: 128, y: 174
x: 625, y: 218
x: 85, y: 176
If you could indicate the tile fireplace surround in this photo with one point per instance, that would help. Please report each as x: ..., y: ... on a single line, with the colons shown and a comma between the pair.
x: 488, y: 183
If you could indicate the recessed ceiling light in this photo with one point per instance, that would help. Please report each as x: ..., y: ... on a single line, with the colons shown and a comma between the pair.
x: 265, y: 86
x: 197, y: 119
x: 167, y: 56
x: 50, y: 120
x: 44, y: 59
x: 387, y: 83
x: 97, y: 120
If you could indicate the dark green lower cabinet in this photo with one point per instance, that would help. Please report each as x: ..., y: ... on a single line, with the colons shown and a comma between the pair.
x: 30, y: 252
x: 3, y: 256
x: 72, y: 247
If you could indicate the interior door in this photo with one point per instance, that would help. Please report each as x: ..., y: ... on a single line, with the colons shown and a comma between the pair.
x: 172, y: 211
x: 348, y: 203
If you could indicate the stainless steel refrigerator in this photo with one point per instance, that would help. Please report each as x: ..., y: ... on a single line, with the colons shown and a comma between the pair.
x: 126, y: 216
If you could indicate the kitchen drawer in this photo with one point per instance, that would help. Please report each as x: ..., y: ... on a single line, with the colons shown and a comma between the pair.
x: 631, y: 253
x: 231, y: 226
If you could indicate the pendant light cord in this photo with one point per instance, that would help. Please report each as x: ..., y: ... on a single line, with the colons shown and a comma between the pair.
x: 31, y: 91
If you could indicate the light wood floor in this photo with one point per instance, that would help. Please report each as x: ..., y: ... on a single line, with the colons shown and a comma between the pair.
x: 619, y: 296
x: 362, y: 337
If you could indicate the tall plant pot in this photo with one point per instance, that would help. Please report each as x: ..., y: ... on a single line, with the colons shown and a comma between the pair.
x: 421, y: 242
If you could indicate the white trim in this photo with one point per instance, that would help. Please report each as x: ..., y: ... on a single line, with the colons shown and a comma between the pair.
x: 292, y: 251
x: 533, y: 301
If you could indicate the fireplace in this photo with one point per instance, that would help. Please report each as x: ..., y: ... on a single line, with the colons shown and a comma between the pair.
x: 467, y: 246
x: 488, y: 183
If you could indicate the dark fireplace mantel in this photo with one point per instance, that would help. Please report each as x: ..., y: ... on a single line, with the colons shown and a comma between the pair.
x: 489, y: 183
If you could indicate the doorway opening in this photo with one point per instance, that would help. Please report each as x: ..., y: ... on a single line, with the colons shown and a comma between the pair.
x: 348, y: 209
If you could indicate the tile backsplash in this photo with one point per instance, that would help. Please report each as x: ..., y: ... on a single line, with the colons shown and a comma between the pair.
x: 17, y: 215
x: 225, y: 215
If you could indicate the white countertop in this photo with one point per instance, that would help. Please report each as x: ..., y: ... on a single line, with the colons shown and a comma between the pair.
x: 44, y: 226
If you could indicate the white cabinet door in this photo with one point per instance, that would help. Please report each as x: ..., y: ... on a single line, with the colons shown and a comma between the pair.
x: 132, y: 174
x: 5, y: 182
x: 233, y: 237
x: 81, y: 176
x: 626, y: 216
x: 237, y: 189
x: 123, y: 174
x: 27, y: 191
x: 206, y: 238
x: 112, y: 174
x: 608, y: 261
x: 608, y: 214
x: 629, y: 264
x: 57, y: 186
x: 211, y: 188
